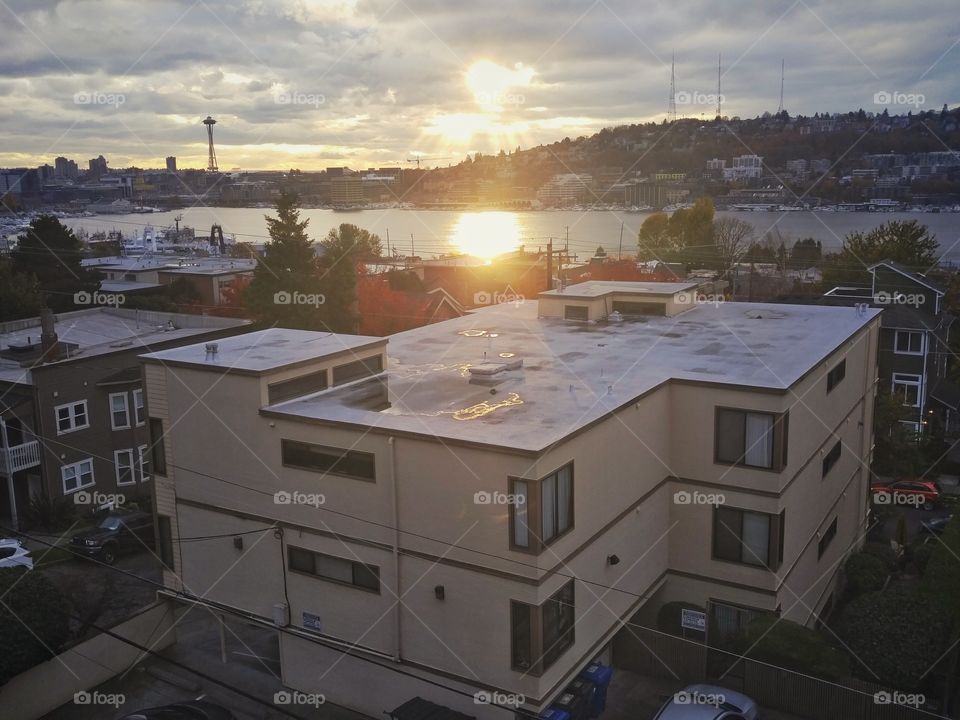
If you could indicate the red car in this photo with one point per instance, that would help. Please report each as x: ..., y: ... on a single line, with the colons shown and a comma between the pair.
x: 916, y: 493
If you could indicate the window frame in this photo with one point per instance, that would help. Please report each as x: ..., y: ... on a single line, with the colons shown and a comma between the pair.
x: 898, y: 379
x: 165, y: 540
x: 909, y: 335
x: 577, y: 308
x: 139, y: 410
x: 775, y: 538
x: 836, y: 375
x: 327, y: 449
x: 130, y: 466
x: 542, y: 658
x: 823, y: 544
x: 143, y: 461
x: 113, y: 412
x: 71, y: 407
x: 374, y: 570
x: 533, y: 511
x: 831, y: 458
x: 781, y: 438
x: 158, y: 447
x: 78, y: 474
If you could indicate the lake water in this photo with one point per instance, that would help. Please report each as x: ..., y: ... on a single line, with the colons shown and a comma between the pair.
x: 487, y: 233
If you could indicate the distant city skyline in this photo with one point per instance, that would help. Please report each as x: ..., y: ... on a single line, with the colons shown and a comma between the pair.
x: 372, y: 83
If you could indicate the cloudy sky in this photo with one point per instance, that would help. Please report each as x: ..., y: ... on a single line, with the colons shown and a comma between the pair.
x: 312, y: 83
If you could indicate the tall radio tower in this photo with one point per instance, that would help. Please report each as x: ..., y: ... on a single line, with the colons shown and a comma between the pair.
x: 212, y: 157
x: 672, y: 107
x: 780, y: 106
x: 719, y: 95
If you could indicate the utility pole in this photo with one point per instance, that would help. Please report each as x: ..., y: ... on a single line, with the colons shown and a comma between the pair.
x: 672, y: 105
x: 550, y: 264
x: 620, y: 249
x: 413, y: 249
x: 389, y: 254
x: 719, y: 94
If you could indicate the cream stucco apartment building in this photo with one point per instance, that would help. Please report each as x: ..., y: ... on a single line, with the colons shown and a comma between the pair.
x: 523, y: 479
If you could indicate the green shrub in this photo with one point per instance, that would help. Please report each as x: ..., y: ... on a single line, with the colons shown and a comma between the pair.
x: 883, y: 552
x: 920, y: 556
x: 668, y: 616
x: 45, y: 512
x: 899, y: 634
x: 792, y: 646
x: 941, y: 581
x: 864, y: 572
x: 28, y: 626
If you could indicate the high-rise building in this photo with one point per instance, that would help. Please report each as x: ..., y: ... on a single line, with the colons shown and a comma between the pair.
x: 346, y: 190
x: 171, y: 164
x: 97, y: 166
x: 64, y: 168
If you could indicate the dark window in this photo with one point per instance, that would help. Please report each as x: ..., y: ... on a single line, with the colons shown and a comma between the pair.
x: 334, y: 569
x: 835, y: 376
x: 327, y: 460
x: 576, y: 312
x: 749, y: 537
x: 356, y: 370
x: 545, y: 511
x: 754, y: 439
x: 297, y: 387
x: 165, y: 537
x: 540, y: 635
x: 826, y: 538
x: 638, y: 308
x: 830, y: 459
x: 158, y: 454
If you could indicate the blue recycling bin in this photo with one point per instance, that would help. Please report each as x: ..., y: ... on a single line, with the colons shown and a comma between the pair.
x: 555, y: 714
x: 600, y: 676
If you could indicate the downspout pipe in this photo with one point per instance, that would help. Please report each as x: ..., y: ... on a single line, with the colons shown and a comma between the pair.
x: 395, y: 501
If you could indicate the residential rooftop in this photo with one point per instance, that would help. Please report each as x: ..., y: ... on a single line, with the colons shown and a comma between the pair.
x: 96, y: 331
x: 599, y: 288
x: 505, y: 377
x: 150, y: 262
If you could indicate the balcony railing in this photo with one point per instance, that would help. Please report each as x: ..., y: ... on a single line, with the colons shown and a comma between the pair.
x: 19, y: 457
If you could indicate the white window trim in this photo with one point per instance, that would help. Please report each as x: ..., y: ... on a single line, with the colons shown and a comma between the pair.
x: 914, y: 381
x: 73, y: 416
x: 132, y: 466
x: 141, y: 452
x: 141, y: 411
x: 126, y: 410
x: 76, y: 466
x: 896, y: 335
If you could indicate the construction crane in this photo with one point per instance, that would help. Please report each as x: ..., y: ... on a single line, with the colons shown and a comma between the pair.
x: 420, y: 157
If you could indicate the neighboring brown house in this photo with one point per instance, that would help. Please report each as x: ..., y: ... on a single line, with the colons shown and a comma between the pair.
x: 72, y: 411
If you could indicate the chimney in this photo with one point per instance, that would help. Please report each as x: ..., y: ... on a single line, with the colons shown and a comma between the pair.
x: 49, y: 342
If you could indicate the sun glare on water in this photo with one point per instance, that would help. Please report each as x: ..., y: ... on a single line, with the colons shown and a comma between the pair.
x: 486, y: 234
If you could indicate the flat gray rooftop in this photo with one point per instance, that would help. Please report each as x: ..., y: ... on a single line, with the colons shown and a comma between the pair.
x: 573, y: 373
x: 102, y: 330
x: 597, y: 288
x: 265, y: 350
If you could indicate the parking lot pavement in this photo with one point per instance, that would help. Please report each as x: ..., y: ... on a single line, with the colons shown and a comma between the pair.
x: 252, y: 666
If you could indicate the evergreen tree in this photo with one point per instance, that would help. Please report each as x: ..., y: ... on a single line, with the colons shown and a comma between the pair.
x: 20, y: 295
x: 343, y: 249
x: 908, y: 243
x: 51, y: 253
x: 286, y: 290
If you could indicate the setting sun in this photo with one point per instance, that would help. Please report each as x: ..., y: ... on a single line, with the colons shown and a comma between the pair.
x: 491, y: 83
x: 486, y: 234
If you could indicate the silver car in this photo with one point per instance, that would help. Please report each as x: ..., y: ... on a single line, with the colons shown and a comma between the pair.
x: 708, y: 702
x: 14, y: 554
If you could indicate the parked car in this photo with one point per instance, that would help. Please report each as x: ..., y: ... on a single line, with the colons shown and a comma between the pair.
x: 918, y: 493
x: 708, y: 702
x: 14, y: 554
x: 935, y: 526
x: 117, y: 533
x: 189, y: 710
